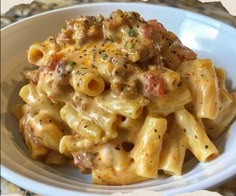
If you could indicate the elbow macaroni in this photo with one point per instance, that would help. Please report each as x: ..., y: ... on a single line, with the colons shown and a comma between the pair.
x: 104, y: 95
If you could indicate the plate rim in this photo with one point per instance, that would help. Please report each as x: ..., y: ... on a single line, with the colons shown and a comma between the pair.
x: 114, y: 3
x: 120, y: 3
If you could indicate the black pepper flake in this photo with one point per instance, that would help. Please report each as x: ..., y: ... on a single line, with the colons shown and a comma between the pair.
x: 180, y: 84
x: 159, y: 137
x: 117, y: 148
x: 85, y: 126
x: 206, y: 146
x: 155, y: 130
x: 184, y: 130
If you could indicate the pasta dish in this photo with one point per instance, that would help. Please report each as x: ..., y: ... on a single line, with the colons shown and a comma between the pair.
x: 122, y: 99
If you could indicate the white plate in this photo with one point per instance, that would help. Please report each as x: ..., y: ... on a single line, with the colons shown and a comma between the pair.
x: 206, y: 36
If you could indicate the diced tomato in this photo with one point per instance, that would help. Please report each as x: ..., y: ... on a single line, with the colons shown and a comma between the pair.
x: 36, y: 77
x: 153, y: 85
x: 58, y: 64
x: 55, y: 59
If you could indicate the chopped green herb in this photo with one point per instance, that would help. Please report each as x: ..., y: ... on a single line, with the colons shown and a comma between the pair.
x: 111, y: 39
x: 131, y: 32
x: 71, y: 63
x: 104, y: 56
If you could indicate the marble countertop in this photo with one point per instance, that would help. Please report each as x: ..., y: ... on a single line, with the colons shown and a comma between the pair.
x: 214, y: 10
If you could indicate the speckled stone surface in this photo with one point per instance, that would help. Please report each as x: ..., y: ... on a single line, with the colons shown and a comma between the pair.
x: 214, y: 10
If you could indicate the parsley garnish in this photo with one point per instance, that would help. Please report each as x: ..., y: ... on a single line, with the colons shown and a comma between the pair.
x: 71, y: 63
x: 111, y: 39
x: 131, y: 45
x: 104, y: 56
x: 131, y: 32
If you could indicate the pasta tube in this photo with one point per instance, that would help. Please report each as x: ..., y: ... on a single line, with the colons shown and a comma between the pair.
x: 46, y: 130
x: 173, y: 151
x: 170, y: 102
x: 146, y: 152
x: 91, y: 109
x: 37, y: 150
x: 87, y: 82
x: 69, y: 144
x: 130, y: 108
x: 39, y: 54
x: 171, y: 78
x: 39, y: 101
x: 112, y: 177
x: 200, y: 78
x: 80, y: 125
x: 198, y: 141
x: 226, y: 115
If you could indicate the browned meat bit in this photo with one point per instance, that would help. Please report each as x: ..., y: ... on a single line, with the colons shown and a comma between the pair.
x: 86, y: 28
x: 65, y: 36
x: 84, y: 161
x: 133, y: 35
x: 55, y: 46
x: 174, y: 52
x: 81, y: 30
x: 124, y: 82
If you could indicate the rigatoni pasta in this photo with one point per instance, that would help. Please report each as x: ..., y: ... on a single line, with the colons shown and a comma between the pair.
x: 146, y: 153
x: 123, y: 99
